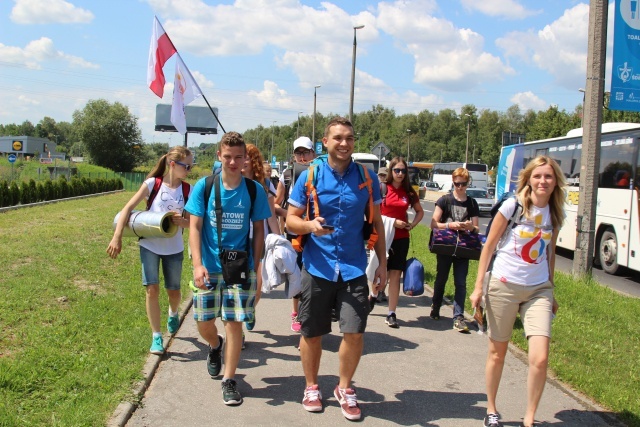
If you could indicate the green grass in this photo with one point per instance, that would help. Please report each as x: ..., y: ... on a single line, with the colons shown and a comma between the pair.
x: 73, y: 330
x: 596, y: 344
x: 74, y: 334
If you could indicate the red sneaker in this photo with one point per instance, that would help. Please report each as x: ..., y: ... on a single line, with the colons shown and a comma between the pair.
x: 348, y: 403
x: 295, y: 324
x: 312, y: 400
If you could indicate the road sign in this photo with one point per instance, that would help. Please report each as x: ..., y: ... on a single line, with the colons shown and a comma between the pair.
x: 12, y: 158
x: 380, y: 150
x: 318, y: 147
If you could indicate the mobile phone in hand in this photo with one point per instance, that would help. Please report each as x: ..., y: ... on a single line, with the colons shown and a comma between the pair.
x: 328, y: 227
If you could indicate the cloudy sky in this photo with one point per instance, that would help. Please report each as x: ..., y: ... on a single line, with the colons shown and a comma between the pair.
x: 259, y: 60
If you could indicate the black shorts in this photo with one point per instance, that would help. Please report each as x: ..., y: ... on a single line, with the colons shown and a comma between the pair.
x: 398, y: 254
x: 320, y: 296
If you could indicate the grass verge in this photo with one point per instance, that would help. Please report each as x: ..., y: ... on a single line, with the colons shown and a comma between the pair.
x: 595, y: 346
x: 73, y: 329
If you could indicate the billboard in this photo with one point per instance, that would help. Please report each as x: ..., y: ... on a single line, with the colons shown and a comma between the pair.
x: 625, y: 73
x: 199, y: 119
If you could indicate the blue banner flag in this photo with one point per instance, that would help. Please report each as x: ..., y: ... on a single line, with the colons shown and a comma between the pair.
x: 625, y: 73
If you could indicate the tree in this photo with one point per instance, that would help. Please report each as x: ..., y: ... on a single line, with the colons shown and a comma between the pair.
x: 110, y: 134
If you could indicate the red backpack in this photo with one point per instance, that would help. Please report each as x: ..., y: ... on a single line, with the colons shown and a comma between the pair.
x: 156, y: 187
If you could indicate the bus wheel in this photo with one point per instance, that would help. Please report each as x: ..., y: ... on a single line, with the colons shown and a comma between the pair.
x: 608, y: 252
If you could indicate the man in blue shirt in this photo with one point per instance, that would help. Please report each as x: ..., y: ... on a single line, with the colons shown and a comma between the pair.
x: 233, y: 303
x: 335, y: 261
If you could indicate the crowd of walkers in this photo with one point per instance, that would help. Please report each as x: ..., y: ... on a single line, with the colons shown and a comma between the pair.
x: 321, y: 212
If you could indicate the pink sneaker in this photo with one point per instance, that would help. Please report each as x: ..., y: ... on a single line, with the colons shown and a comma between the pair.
x: 348, y: 403
x: 312, y: 400
x: 295, y: 324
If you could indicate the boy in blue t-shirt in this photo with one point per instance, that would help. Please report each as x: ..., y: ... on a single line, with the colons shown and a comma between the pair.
x: 215, y: 298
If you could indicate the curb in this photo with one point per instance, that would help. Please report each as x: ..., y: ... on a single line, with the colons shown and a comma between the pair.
x: 125, y: 409
x: 48, y: 202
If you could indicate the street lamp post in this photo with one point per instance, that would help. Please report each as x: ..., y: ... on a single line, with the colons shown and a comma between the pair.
x: 466, y: 153
x: 272, y: 132
x: 313, y: 131
x: 408, y: 139
x: 353, y: 71
x: 298, y: 131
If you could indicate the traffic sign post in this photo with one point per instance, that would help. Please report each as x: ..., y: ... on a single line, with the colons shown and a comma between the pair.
x: 381, y: 150
x: 12, y: 159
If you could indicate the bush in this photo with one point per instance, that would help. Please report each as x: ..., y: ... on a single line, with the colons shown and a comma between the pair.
x: 15, y: 193
x: 63, y: 187
x: 33, y: 189
x: 25, y: 194
x: 4, y: 193
x: 49, y: 192
x: 40, y: 191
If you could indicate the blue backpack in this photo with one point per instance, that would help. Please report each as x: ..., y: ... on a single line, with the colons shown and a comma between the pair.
x: 413, y: 282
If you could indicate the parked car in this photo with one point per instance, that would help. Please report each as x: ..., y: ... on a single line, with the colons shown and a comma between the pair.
x: 482, y: 197
x: 429, y: 185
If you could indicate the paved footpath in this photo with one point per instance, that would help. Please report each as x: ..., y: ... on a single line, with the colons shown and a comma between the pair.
x: 423, y: 373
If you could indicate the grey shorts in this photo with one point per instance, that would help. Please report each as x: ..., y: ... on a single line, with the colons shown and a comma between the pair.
x: 320, y: 296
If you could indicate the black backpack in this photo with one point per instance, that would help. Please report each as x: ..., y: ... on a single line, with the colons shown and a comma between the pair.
x: 291, y: 175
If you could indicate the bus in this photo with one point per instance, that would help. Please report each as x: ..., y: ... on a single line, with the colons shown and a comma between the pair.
x: 617, y: 229
x: 371, y: 161
x: 442, y: 174
x: 424, y: 170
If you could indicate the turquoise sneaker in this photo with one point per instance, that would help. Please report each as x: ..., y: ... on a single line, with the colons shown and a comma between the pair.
x: 156, y: 346
x: 173, y: 323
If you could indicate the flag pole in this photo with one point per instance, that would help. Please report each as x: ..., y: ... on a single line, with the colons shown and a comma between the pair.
x: 214, y: 114
x: 204, y: 97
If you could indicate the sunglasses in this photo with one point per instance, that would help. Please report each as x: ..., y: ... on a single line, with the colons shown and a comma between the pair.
x: 184, y: 165
x: 400, y: 171
x: 460, y: 184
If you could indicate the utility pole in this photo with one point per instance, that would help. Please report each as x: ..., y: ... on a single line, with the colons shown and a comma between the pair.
x: 590, y: 159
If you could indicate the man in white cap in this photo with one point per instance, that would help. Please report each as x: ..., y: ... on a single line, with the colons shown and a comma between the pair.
x: 303, y: 154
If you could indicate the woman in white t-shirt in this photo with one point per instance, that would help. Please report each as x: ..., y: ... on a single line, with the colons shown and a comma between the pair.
x: 170, y: 172
x: 522, y: 278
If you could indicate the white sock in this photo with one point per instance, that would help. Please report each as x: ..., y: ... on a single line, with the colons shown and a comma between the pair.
x: 390, y: 313
x: 157, y: 334
x: 172, y: 313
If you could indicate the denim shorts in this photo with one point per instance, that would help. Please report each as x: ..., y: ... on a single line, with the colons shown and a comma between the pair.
x: 171, y: 269
x: 230, y: 303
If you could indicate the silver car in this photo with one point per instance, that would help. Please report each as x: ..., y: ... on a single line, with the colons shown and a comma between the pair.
x: 482, y: 197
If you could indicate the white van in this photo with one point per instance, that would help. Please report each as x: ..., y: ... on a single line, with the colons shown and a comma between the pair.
x: 369, y: 160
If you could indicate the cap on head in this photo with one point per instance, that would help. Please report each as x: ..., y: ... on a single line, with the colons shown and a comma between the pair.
x: 382, y: 171
x: 303, y: 142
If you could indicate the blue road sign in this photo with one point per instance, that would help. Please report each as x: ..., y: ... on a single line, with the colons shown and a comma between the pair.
x: 625, y: 72
x: 318, y: 147
x: 12, y: 158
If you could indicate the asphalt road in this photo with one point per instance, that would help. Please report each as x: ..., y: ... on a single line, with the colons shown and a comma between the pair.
x: 627, y: 282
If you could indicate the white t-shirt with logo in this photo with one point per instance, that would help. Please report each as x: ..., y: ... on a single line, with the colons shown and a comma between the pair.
x: 167, y: 199
x: 523, y: 257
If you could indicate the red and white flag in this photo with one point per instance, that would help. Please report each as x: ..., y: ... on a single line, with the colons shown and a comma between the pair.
x: 160, y: 51
x: 185, y: 90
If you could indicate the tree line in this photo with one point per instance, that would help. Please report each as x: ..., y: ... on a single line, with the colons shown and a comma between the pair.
x: 108, y: 134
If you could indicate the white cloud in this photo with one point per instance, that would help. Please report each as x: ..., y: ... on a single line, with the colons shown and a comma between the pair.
x: 528, y: 101
x: 273, y: 96
x: 508, y: 9
x: 49, y: 12
x: 559, y: 48
x: 38, y: 51
x: 446, y: 57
